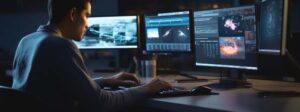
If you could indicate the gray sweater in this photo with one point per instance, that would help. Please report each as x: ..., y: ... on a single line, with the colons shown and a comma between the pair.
x: 52, y: 69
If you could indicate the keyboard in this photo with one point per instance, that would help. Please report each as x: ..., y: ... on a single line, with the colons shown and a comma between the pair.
x: 173, y: 92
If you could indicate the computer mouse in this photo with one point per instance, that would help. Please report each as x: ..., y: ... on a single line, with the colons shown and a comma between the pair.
x: 201, y: 90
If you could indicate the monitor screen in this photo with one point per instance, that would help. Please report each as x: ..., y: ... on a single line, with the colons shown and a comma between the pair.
x: 226, y: 38
x: 116, y: 32
x: 273, y: 29
x: 168, y: 32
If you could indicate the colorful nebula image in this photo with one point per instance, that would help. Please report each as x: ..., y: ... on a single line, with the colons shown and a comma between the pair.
x: 231, y: 26
x: 232, y: 47
x: 229, y: 23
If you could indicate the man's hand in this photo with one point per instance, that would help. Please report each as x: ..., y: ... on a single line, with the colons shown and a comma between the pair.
x: 122, y: 79
x: 156, y: 85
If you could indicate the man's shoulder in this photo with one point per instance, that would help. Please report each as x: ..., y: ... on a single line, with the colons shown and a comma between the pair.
x: 47, y: 40
x: 56, y: 40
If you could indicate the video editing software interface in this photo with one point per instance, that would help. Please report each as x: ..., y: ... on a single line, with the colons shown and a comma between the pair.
x: 110, y: 32
x: 226, y: 38
x: 168, y: 32
x: 271, y: 26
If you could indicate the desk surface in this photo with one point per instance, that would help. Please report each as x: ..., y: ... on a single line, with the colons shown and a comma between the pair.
x: 238, y: 99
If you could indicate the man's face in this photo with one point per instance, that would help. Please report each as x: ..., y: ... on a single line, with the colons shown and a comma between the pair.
x: 81, y: 23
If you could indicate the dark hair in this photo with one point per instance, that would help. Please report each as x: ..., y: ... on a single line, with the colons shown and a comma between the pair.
x: 58, y: 9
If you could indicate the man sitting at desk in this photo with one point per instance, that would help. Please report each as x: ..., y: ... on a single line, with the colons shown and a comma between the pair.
x: 49, y: 66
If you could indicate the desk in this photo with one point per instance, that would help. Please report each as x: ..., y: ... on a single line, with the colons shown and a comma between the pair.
x: 238, y: 100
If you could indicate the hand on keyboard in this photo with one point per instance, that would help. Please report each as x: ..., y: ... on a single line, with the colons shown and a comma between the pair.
x: 155, y: 86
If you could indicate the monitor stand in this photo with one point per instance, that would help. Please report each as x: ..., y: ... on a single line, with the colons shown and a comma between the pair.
x: 234, y: 79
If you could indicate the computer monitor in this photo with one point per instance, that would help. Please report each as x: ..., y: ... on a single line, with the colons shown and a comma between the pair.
x: 113, y: 32
x: 226, y: 38
x: 168, y: 32
x: 273, y: 26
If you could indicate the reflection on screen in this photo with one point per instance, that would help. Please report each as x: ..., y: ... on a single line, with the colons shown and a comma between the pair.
x: 226, y: 38
x: 110, y: 33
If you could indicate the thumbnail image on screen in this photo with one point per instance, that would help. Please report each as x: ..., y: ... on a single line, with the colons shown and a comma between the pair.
x: 271, y: 26
x: 168, y: 32
x: 232, y: 47
x: 226, y: 38
x: 109, y: 33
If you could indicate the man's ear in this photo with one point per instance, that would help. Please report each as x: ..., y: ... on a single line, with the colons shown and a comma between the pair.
x: 72, y: 14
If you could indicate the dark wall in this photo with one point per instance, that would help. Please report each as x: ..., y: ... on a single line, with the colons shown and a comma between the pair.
x: 293, y: 63
x: 294, y: 16
x: 15, y: 26
x: 153, y: 6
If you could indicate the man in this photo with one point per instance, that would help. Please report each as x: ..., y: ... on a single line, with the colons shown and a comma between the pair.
x: 49, y: 66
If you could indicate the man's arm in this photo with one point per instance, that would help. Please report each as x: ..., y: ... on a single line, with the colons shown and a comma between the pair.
x: 100, y: 81
x: 78, y: 85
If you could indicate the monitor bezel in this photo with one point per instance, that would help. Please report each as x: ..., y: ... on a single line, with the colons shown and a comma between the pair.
x: 117, y: 47
x: 225, y: 66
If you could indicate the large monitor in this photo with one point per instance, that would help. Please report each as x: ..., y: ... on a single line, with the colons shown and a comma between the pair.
x: 273, y: 30
x: 226, y: 38
x: 168, y: 32
x: 115, y: 32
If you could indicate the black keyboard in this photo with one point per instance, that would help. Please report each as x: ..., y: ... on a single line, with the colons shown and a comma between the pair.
x: 174, y: 92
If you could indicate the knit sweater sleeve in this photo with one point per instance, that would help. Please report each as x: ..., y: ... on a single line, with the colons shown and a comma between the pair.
x: 82, y: 89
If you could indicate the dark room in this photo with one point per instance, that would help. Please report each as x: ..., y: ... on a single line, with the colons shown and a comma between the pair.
x: 149, y: 56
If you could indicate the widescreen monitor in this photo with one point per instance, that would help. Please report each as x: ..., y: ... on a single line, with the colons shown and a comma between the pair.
x: 115, y: 32
x: 273, y: 27
x: 226, y: 38
x: 168, y: 32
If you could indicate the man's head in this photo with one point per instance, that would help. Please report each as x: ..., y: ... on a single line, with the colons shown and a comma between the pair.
x: 70, y: 16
